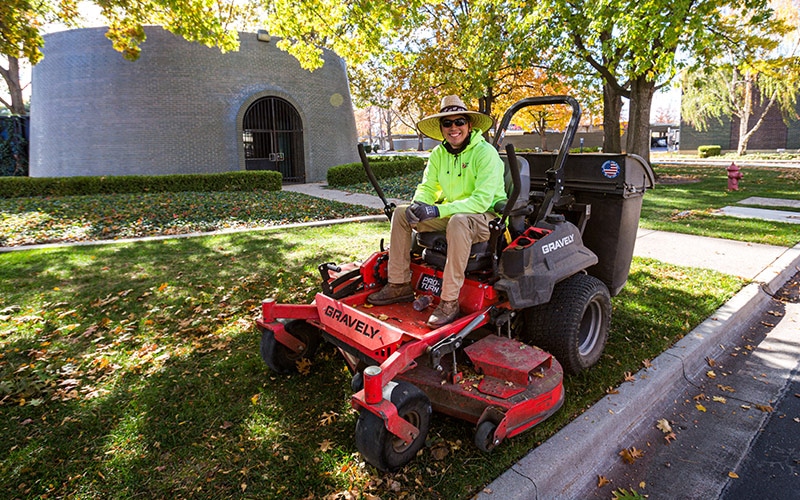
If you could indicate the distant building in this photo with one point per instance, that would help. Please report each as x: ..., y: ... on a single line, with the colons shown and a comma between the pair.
x: 773, y: 134
x: 186, y: 108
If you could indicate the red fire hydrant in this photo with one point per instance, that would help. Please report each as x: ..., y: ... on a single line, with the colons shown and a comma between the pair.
x: 733, y: 177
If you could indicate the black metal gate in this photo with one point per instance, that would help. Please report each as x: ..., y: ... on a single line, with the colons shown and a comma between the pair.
x: 273, y: 138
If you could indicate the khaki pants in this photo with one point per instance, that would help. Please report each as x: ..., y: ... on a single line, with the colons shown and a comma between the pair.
x: 462, y: 231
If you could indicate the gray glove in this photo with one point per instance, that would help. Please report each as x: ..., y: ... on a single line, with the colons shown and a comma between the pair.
x: 411, y: 217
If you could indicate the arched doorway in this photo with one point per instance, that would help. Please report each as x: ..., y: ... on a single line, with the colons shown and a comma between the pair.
x: 272, y: 133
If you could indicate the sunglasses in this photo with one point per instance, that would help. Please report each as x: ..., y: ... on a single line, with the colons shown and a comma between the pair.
x: 458, y: 122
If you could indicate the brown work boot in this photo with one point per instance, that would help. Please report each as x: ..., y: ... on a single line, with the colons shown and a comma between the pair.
x: 445, y: 313
x: 391, y: 294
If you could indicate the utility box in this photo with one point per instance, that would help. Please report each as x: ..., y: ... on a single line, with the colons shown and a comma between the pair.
x: 602, y: 195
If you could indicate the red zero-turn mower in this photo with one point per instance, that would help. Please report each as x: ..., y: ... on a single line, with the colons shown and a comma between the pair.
x: 537, y: 298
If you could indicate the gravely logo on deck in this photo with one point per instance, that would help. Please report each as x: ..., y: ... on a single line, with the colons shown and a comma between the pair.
x: 560, y: 243
x: 352, y: 322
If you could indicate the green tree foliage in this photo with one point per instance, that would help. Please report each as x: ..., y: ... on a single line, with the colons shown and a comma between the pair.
x: 20, y: 38
x: 759, y: 71
x: 211, y: 22
x: 633, y: 46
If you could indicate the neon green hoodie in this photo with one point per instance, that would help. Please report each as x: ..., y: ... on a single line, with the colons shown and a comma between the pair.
x: 470, y: 182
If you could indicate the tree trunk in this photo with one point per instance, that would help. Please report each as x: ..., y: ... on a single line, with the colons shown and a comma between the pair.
x: 612, y: 106
x: 11, y: 76
x: 642, y: 91
x: 389, y: 138
x: 745, y: 113
x: 486, y: 102
x: 744, y: 133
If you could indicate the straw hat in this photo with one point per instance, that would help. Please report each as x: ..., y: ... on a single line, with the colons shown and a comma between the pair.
x: 453, y: 105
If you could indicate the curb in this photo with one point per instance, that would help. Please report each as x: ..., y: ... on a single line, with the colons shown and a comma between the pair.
x: 567, y: 464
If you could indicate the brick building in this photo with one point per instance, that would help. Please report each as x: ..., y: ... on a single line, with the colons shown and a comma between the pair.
x: 773, y: 134
x: 186, y: 108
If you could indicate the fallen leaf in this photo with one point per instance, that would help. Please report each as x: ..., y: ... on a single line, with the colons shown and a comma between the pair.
x: 630, y: 455
x: 765, y: 408
x: 612, y: 390
x: 670, y: 437
x: 725, y: 388
x: 629, y: 377
x: 254, y: 398
x: 711, y: 362
x: 328, y: 418
x: 711, y: 374
x: 700, y: 407
x: 767, y: 324
x: 439, y: 451
x: 775, y: 313
x: 719, y: 399
x: 602, y: 481
x: 325, y: 445
x: 664, y: 426
x: 699, y: 397
x: 226, y: 425
x: 733, y: 475
x: 304, y: 366
x: 647, y: 363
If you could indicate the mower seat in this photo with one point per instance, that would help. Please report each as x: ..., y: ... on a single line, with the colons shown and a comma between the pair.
x: 481, y: 257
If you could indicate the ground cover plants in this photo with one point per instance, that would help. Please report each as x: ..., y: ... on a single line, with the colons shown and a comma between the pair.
x: 132, y: 370
x: 26, y: 221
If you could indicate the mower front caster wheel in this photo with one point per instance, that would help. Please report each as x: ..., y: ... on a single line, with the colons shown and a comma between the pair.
x: 484, y: 436
x: 280, y: 358
x: 383, y: 449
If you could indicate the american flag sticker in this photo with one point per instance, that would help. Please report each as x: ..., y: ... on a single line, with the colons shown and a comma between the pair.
x: 610, y: 169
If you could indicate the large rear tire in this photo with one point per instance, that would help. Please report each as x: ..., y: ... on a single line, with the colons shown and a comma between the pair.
x: 280, y: 358
x: 383, y: 449
x: 573, y: 326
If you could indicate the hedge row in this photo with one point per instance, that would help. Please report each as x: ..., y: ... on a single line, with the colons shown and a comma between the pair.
x: 384, y: 167
x: 15, y: 187
x: 706, y: 151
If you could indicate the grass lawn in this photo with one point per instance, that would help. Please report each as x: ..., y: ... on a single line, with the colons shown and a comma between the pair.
x: 686, y: 198
x: 132, y: 370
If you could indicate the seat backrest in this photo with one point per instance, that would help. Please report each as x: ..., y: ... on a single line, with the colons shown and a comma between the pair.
x: 525, y: 177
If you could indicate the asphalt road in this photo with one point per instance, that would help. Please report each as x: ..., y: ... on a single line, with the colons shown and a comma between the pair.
x: 735, y: 429
x: 771, y: 468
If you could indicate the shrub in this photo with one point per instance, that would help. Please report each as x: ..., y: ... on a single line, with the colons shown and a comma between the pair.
x: 383, y: 167
x: 706, y: 151
x: 13, y: 146
x: 15, y: 187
